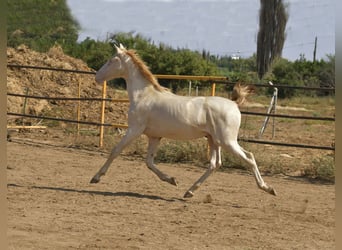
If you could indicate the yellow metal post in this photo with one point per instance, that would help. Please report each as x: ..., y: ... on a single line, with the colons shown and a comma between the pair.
x: 103, y: 105
x: 213, y: 89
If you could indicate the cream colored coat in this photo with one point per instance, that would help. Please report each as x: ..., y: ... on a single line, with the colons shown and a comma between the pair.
x: 158, y: 113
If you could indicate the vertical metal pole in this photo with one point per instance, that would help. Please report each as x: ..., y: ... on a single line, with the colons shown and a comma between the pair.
x: 213, y: 89
x: 78, y: 108
x: 271, y: 109
x: 24, y: 106
x: 274, y: 110
x: 189, y: 88
x: 103, y: 105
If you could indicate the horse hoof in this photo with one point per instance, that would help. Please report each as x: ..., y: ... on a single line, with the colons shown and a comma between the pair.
x: 173, y: 181
x: 94, y: 180
x: 188, y: 194
x: 272, y: 191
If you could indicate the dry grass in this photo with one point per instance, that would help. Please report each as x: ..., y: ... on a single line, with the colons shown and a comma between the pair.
x: 312, y: 163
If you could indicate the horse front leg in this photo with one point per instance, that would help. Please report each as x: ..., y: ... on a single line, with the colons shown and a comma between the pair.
x: 151, y: 152
x: 132, y: 133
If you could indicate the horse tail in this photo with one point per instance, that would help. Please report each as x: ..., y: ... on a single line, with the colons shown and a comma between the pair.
x: 240, y: 93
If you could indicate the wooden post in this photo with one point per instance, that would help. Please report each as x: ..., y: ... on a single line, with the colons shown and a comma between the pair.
x: 103, y: 105
x: 25, y: 127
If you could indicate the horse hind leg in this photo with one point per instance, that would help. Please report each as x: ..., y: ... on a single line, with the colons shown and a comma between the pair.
x: 248, y: 159
x: 215, y: 162
x: 151, y: 152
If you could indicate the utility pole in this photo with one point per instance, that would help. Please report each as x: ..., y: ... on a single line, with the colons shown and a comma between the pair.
x: 315, y: 49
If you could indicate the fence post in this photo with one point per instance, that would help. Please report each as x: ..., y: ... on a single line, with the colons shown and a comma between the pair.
x: 103, y: 105
x: 274, y: 110
x: 271, y: 109
x: 189, y: 88
x: 78, y: 108
x: 213, y: 89
x: 24, y: 105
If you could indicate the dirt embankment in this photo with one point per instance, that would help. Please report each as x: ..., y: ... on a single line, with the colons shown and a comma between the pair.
x: 48, y: 83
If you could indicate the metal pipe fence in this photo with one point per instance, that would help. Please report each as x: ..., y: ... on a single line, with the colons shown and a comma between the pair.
x: 212, y: 79
x: 216, y: 79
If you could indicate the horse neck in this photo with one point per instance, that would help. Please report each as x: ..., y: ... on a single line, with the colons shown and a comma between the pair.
x: 136, y: 84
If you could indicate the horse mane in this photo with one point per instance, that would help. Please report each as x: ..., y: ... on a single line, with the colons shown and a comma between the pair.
x: 144, y: 70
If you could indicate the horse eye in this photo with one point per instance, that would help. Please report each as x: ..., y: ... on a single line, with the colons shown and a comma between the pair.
x: 113, y: 59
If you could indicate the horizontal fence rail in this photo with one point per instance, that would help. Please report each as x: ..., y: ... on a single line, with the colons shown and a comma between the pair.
x: 212, y: 79
x: 125, y: 126
x: 126, y: 101
x: 69, y: 120
x: 290, y: 116
x: 69, y: 98
x: 282, y: 86
x: 287, y: 144
x: 216, y: 79
x: 52, y: 69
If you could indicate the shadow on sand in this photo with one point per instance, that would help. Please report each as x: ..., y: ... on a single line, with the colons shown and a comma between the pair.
x: 103, y: 193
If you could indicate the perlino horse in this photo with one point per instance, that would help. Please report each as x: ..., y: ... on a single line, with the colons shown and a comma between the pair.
x: 156, y: 112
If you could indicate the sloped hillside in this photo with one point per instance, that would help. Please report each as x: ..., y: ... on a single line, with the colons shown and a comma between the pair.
x: 56, y: 84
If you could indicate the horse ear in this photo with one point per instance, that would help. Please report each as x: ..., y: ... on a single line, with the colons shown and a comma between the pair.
x: 122, y: 47
x: 118, y: 50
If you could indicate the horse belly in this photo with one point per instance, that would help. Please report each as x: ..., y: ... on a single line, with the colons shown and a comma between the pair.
x: 178, y: 118
x: 176, y: 131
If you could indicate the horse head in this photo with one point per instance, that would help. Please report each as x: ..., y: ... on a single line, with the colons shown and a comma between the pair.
x: 113, y: 68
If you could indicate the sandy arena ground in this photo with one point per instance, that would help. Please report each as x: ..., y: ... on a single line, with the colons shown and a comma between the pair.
x: 52, y: 205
